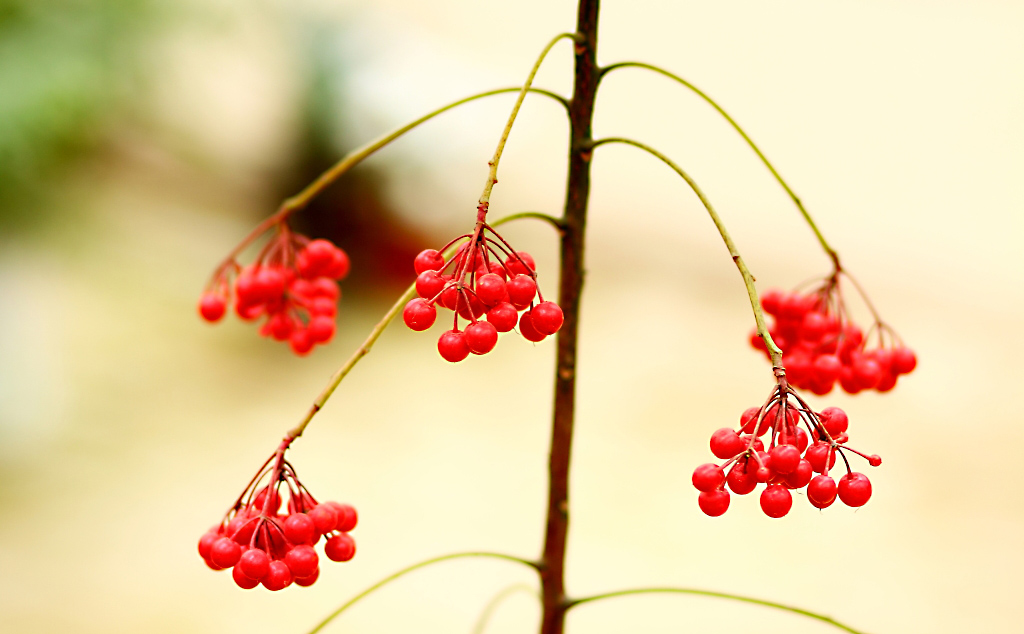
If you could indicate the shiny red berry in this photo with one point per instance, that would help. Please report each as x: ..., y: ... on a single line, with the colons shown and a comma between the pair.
x: 854, y: 489
x: 452, y: 346
x: 418, y: 314
x: 341, y: 547
x: 776, y: 500
x: 713, y: 503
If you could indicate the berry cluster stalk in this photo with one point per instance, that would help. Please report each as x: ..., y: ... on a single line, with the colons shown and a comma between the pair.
x: 581, y: 110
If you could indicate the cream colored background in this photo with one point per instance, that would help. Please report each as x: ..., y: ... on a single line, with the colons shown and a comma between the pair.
x: 128, y: 425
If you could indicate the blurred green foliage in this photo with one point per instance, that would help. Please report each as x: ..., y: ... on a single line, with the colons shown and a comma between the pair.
x: 67, y: 68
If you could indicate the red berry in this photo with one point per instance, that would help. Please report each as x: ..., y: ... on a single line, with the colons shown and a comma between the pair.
x: 428, y: 260
x: 866, y: 372
x: 299, y: 528
x: 308, y: 581
x: 300, y: 341
x: 212, y: 307
x: 903, y: 361
x: 749, y: 418
x: 521, y: 290
x: 875, y: 460
x: 254, y: 564
x: 799, y: 477
x: 225, y: 552
x: 726, y: 443
x: 278, y: 576
x: 772, y: 300
x: 776, y: 500
x: 242, y: 580
x: 813, y: 327
x: 504, y: 317
x: 739, y: 481
x: 481, y: 337
x: 854, y: 489
x: 347, y: 517
x: 827, y: 368
x: 713, y: 503
x: 490, y: 289
x: 324, y: 518
x: 547, y: 317
x: 784, y: 458
x: 301, y: 561
x: 834, y: 420
x: 419, y: 315
x: 452, y: 346
x: 821, y: 492
x: 321, y: 329
x: 206, y: 542
x: 429, y: 284
x: 818, y: 454
x: 528, y: 330
x: 341, y: 547
x: 520, y: 264
x: 708, y: 477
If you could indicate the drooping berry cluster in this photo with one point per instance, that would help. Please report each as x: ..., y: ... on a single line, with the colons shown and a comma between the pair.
x: 487, y: 278
x: 293, y: 283
x: 824, y: 347
x: 263, y: 545
x: 792, y: 458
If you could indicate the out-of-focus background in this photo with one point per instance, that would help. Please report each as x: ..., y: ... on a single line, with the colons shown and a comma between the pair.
x: 140, y: 140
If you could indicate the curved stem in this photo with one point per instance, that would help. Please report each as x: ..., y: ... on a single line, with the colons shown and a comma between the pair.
x: 353, y: 158
x: 485, y: 197
x: 720, y: 595
x: 361, y: 351
x: 748, y: 278
x: 551, y: 220
x: 492, y: 605
x: 404, y: 571
x: 771, y: 168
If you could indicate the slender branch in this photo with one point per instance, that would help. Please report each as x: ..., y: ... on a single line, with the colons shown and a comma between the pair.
x: 720, y: 595
x: 361, y: 351
x: 492, y: 605
x: 404, y: 571
x: 551, y: 220
x: 353, y: 158
x: 748, y: 278
x: 378, y: 330
x: 492, y: 176
x: 796, y: 200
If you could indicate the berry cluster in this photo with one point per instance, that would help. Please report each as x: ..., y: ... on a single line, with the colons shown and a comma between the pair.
x: 262, y: 545
x: 293, y: 282
x: 792, y: 458
x: 824, y: 347
x: 487, y: 278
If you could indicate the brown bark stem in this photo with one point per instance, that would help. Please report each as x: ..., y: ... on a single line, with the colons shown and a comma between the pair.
x: 581, y: 108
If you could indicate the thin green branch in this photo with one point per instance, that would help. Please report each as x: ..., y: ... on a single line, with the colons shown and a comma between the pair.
x: 353, y: 158
x: 492, y: 605
x: 796, y: 200
x: 748, y: 279
x: 492, y: 174
x: 719, y: 595
x: 404, y: 571
x: 551, y: 220
x: 380, y: 326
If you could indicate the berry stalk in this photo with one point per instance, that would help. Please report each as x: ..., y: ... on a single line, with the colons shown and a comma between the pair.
x: 832, y: 254
x: 748, y: 279
x: 492, y: 176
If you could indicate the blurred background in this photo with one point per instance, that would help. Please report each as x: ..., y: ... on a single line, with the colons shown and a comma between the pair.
x: 141, y: 140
